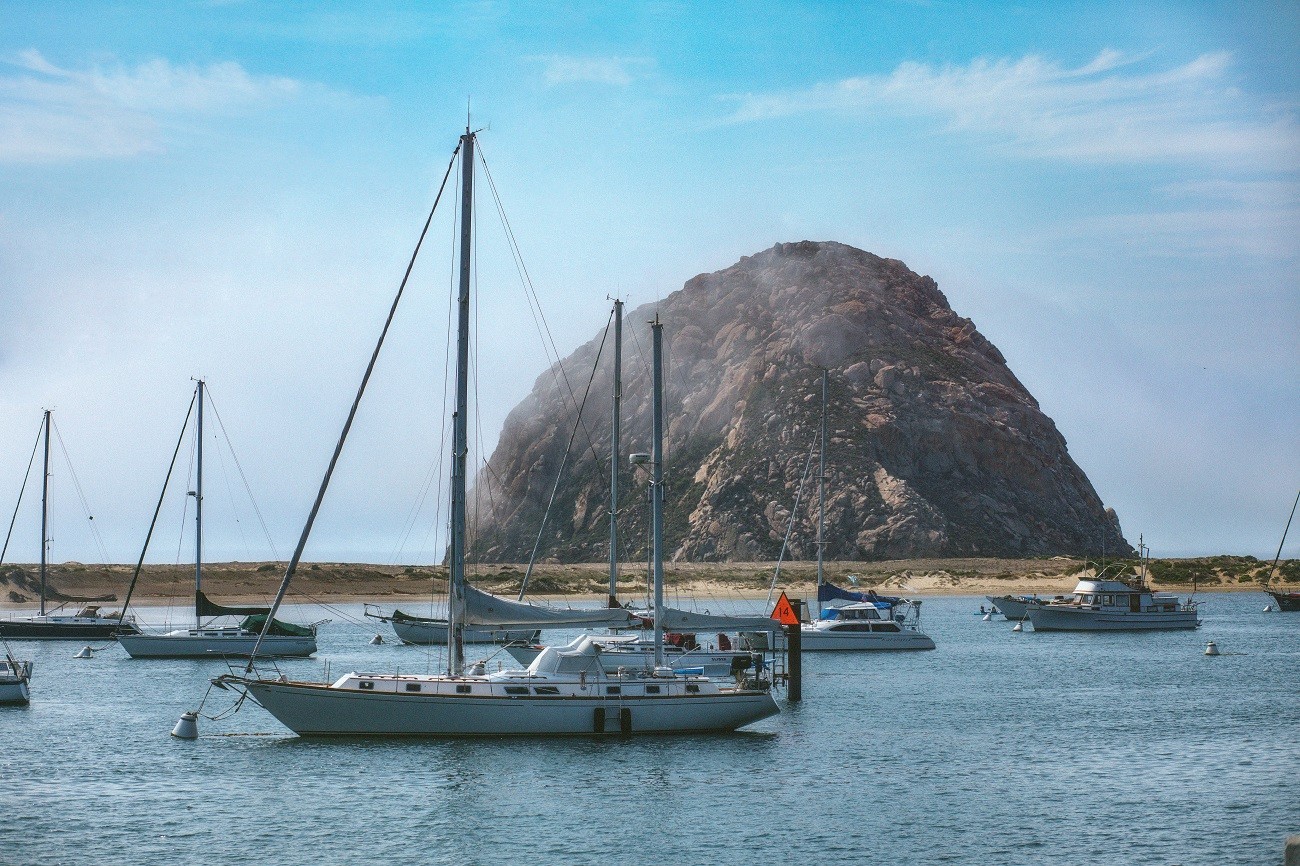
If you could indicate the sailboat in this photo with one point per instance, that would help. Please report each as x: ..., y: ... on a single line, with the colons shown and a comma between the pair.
x: 14, y: 675
x: 565, y: 690
x: 206, y: 639
x: 849, y: 620
x: 1288, y: 600
x: 87, y: 623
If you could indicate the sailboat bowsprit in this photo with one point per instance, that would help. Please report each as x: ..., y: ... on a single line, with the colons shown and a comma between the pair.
x: 564, y: 690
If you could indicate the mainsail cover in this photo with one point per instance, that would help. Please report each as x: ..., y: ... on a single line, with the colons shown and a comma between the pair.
x: 204, y: 607
x: 830, y: 592
x: 673, y: 619
x: 482, y: 608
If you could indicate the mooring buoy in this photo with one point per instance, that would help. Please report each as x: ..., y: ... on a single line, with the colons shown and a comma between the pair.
x: 377, y: 640
x: 187, y: 727
x: 86, y: 653
x: 1211, y: 649
x: 1267, y: 608
x: 1020, y: 626
x: 987, y: 617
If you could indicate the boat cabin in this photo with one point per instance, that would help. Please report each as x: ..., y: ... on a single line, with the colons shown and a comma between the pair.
x: 1117, y: 595
x: 862, y: 616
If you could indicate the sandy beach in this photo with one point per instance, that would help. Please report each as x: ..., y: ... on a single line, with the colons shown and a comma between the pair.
x: 251, y: 583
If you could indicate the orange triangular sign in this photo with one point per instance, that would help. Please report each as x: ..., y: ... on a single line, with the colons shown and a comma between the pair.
x: 784, y: 612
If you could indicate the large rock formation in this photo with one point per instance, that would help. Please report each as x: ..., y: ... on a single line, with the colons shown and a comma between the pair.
x: 935, y: 448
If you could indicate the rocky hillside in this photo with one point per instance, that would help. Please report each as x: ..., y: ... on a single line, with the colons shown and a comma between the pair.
x: 935, y: 448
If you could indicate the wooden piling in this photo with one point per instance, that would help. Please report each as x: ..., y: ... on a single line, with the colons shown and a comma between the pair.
x: 794, y: 653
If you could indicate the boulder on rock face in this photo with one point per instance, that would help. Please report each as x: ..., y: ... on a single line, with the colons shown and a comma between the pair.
x: 935, y: 449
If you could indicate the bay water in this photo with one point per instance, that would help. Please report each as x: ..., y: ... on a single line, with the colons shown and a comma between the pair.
x: 997, y: 747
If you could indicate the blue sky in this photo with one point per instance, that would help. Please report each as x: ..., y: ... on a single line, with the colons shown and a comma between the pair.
x: 1110, y: 190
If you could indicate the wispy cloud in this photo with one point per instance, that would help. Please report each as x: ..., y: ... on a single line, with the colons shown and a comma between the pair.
x: 53, y: 114
x: 616, y: 71
x: 1105, y: 111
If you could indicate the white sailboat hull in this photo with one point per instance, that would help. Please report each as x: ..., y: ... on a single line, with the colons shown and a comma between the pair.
x: 13, y: 681
x: 320, y: 710
x: 208, y: 643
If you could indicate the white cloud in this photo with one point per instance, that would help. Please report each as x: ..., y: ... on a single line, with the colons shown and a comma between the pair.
x: 1102, y: 112
x: 52, y: 114
x: 617, y: 71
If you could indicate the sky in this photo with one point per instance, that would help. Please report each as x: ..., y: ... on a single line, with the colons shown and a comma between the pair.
x: 232, y: 190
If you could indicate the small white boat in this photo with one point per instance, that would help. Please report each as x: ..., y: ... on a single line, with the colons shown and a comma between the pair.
x: 867, y: 625
x: 1113, y: 605
x: 1013, y: 607
x: 14, y: 675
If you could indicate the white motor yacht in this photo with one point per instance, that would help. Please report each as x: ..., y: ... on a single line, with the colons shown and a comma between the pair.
x: 867, y: 625
x: 1113, y: 605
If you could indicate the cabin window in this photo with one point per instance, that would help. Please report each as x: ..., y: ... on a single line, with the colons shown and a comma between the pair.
x: 462, y: 690
x: 1110, y: 599
x: 652, y: 690
x: 887, y: 626
x: 692, y: 689
x: 613, y: 690
x: 547, y: 690
x: 412, y: 687
x: 366, y: 685
x: 516, y: 690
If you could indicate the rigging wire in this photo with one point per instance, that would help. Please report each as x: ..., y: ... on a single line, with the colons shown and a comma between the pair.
x: 793, y: 511
x: 347, y: 425
x: 535, y: 306
x: 76, y: 483
x: 30, y: 462
x: 559, y: 475
x: 242, y: 477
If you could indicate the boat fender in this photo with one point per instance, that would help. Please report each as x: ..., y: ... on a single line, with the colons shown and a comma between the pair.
x: 625, y: 720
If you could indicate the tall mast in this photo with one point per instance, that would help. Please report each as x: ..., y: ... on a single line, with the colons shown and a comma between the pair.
x: 198, y: 510
x: 613, y: 454
x: 459, y: 424
x: 821, y: 488
x: 45, y: 507
x: 656, y: 486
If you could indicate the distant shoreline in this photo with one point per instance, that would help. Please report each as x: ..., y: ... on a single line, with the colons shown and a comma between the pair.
x: 386, y: 586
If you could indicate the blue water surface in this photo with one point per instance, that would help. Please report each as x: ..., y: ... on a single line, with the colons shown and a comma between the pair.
x: 998, y: 747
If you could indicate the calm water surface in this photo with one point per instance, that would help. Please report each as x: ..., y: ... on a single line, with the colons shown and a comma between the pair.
x: 996, y: 748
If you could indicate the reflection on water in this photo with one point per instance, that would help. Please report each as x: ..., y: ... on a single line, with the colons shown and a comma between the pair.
x: 995, y: 748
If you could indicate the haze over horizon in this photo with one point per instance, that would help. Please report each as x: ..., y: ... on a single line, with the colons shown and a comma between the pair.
x: 1111, y: 191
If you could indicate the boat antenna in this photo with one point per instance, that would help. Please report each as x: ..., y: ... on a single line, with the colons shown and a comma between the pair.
x: 614, y: 453
x: 1268, y: 578
x: 821, y: 488
x: 45, y: 509
x: 657, y: 484
x: 347, y: 425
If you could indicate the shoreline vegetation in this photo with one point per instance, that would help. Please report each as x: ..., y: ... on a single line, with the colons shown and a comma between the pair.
x: 386, y: 585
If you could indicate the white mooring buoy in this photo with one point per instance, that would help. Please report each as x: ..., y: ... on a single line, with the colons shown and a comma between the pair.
x: 1211, y: 649
x: 1267, y: 608
x: 377, y: 640
x: 1020, y: 626
x: 86, y: 653
x: 988, y: 617
x: 187, y: 727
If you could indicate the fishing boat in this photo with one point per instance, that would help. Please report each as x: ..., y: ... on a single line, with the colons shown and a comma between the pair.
x: 206, y: 639
x: 1108, y: 604
x: 849, y: 620
x: 1287, y: 600
x: 563, y: 691
x: 87, y: 623
x: 433, y: 631
x: 14, y: 676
